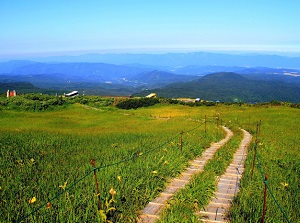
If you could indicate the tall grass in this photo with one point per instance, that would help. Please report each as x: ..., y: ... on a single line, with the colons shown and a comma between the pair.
x: 279, y: 156
x: 42, y: 154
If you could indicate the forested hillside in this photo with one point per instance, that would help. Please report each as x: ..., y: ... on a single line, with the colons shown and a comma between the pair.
x: 231, y: 87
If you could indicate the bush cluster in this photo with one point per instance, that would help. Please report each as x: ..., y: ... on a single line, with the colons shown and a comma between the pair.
x: 42, y: 102
x: 32, y: 102
x: 95, y: 101
x: 137, y: 103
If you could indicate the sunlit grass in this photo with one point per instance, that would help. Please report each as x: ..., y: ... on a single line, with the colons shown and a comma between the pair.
x: 41, y: 151
x: 61, y: 143
x: 279, y: 155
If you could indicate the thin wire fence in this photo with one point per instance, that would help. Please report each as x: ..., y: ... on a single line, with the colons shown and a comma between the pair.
x: 268, y: 187
x: 138, y: 154
x: 265, y: 181
x: 135, y: 155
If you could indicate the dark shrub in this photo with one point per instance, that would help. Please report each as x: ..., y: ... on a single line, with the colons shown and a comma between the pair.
x: 137, y: 103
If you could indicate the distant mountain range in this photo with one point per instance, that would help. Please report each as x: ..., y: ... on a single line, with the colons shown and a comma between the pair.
x: 50, y: 74
x: 79, y: 71
x: 132, y: 73
x: 170, y: 60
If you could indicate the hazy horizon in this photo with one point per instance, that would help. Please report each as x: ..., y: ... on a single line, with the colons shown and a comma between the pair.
x: 52, y: 28
x: 45, y: 55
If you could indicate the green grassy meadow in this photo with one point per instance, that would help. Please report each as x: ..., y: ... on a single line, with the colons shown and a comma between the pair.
x: 46, y: 155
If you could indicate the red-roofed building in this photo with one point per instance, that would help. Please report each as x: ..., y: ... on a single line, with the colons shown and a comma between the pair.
x: 11, y: 93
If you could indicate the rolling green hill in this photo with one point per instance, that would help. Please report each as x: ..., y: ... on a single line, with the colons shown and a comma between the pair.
x: 21, y: 87
x: 60, y: 88
x: 231, y: 87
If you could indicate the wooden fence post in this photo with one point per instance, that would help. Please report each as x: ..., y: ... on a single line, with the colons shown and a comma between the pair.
x: 259, y: 128
x: 205, y: 123
x: 257, y: 131
x: 180, y: 143
x: 93, y: 162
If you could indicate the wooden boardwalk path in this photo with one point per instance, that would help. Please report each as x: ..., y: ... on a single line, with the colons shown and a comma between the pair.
x: 151, y: 211
x: 228, y: 186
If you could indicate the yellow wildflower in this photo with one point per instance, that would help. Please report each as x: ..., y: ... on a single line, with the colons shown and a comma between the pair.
x: 112, y: 192
x: 154, y: 172
x: 32, y: 200
x: 140, y: 153
x: 63, y: 186
x: 119, y: 178
x: 284, y: 184
x: 196, y: 206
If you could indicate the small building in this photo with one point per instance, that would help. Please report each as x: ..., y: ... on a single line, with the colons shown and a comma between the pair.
x: 11, y: 93
x: 152, y: 95
x: 72, y: 94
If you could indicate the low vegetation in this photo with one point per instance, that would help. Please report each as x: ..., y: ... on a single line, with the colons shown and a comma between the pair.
x: 44, y: 153
x: 137, y: 103
x: 42, y: 102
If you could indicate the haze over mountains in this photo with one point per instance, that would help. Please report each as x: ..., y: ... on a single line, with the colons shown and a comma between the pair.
x: 182, y: 59
x: 125, y: 74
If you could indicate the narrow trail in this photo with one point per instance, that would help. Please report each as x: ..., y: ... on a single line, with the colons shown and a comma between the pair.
x: 90, y: 107
x: 228, y: 186
x: 151, y: 211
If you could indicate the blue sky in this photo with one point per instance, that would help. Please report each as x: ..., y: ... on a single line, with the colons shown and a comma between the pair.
x: 43, y: 27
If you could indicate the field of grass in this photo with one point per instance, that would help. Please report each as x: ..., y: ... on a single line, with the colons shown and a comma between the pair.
x: 279, y: 157
x: 43, y: 154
